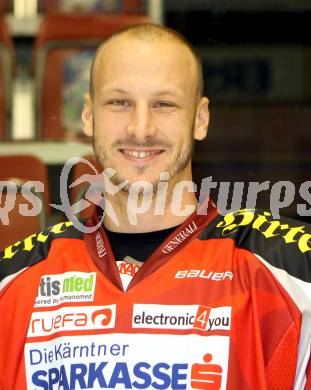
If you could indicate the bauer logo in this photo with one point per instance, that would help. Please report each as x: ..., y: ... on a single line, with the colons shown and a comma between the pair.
x: 77, y: 318
x: 66, y: 287
x: 182, y: 317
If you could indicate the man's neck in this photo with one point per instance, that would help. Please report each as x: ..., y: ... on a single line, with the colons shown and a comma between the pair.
x: 138, y: 217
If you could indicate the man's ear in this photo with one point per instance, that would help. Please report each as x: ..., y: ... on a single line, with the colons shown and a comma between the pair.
x: 201, y: 119
x: 87, y: 115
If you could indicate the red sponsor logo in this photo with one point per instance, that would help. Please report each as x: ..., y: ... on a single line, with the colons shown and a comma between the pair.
x: 202, y: 317
x: 71, y: 319
x: 206, y: 375
x: 102, y: 317
x: 128, y: 268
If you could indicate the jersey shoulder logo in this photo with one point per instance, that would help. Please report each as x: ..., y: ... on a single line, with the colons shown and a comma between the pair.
x: 284, y: 243
x: 33, y: 249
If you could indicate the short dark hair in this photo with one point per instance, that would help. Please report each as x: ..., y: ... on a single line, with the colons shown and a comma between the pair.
x: 150, y: 31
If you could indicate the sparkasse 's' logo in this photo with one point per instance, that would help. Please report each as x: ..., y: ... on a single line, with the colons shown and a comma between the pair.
x: 66, y: 287
x: 206, y: 375
x: 75, y: 318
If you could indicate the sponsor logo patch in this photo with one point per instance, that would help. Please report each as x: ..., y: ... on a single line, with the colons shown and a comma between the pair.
x: 128, y: 361
x: 67, y: 287
x: 76, y: 318
x: 182, y: 317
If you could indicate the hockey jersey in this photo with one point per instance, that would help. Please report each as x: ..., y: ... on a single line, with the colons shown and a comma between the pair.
x: 223, y: 303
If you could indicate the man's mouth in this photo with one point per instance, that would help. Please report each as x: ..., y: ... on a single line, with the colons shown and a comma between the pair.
x: 140, y: 154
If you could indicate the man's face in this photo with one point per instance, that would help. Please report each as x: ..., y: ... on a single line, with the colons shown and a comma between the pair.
x: 144, y: 108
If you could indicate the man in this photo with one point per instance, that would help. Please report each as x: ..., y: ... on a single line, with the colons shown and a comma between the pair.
x: 195, y: 299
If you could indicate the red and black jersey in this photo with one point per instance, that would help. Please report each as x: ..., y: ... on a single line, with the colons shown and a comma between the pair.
x: 223, y: 303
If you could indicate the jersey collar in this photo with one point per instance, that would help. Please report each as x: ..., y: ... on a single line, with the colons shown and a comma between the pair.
x: 100, y: 251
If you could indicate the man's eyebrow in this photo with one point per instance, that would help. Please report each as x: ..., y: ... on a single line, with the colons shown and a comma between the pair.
x: 167, y: 92
x: 119, y: 90
x: 172, y: 92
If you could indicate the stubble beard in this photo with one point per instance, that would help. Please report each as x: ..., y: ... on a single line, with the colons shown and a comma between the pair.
x: 174, y: 168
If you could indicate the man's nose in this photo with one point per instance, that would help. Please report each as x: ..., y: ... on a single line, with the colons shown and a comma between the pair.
x: 141, y: 121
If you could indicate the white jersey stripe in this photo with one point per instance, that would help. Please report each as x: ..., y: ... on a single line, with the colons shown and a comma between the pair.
x: 7, y: 279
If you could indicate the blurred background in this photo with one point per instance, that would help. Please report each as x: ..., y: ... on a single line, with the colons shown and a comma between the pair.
x: 257, y: 70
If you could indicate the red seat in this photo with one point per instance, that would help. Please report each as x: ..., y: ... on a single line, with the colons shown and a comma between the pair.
x: 22, y: 168
x: 62, y: 61
x: 6, y: 6
x: 6, y: 60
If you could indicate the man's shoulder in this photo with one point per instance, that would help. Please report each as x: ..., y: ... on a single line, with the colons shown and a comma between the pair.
x: 283, y: 243
x: 33, y: 249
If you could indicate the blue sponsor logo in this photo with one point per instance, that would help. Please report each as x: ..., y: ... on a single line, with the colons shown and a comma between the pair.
x: 92, y: 375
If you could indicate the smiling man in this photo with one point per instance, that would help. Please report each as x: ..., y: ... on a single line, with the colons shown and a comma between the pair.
x: 144, y: 111
x: 177, y: 300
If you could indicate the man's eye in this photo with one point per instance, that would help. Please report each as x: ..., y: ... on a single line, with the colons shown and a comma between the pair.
x: 164, y: 105
x: 119, y: 102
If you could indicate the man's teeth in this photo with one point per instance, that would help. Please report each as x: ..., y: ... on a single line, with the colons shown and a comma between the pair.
x: 139, y: 154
